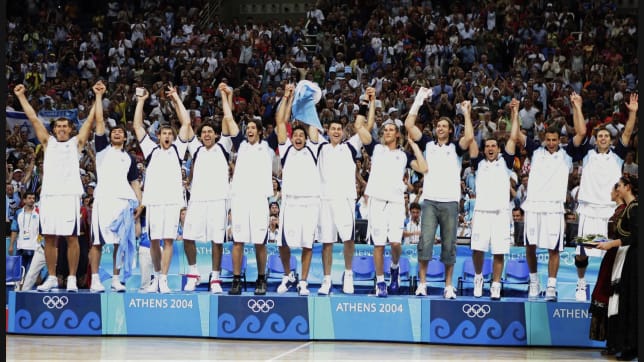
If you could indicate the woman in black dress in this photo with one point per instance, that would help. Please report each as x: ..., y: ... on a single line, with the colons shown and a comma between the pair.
x: 622, y: 331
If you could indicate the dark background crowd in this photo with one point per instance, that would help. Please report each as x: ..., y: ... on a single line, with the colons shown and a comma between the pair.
x: 488, y: 52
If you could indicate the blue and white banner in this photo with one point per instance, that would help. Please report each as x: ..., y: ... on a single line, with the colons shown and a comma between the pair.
x: 477, y: 321
x: 263, y: 317
x: 21, y: 121
x: 359, y: 317
x: 57, y: 313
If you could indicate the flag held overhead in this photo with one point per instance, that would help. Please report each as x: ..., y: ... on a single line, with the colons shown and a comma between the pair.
x: 307, y: 94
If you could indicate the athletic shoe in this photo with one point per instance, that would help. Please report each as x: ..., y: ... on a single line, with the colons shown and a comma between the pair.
x: 394, y: 283
x: 478, y: 286
x: 449, y: 292
x: 236, y: 288
x: 533, y: 290
x: 260, y: 286
x: 302, y: 289
x: 153, y: 286
x: 163, y: 286
x: 117, y: 286
x: 580, y: 293
x: 495, y: 291
x: 347, y: 284
x: 288, y: 281
x: 551, y: 294
x: 97, y: 286
x: 191, y: 282
x: 50, y: 283
x: 215, y: 287
x: 421, y: 290
x: 381, y: 289
x: 325, y: 288
x: 71, y: 284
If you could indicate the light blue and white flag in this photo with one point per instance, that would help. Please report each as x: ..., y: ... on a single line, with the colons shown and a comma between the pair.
x: 307, y: 95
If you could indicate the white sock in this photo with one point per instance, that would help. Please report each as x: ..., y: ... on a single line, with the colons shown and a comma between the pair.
x: 95, y: 276
x: 581, y: 281
x: 214, y: 275
x: 327, y: 278
x: 193, y: 269
x: 394, y: 266
x: 380, y: 278
x: 552, y: 282
x: 348, y: 272
x: 478, y: 275
x: 534, y: 277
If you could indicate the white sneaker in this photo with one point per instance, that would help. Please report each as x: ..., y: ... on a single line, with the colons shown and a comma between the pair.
x: 71, y: 284
x: 580, y: 293
x: 449, y: 292
x: 191, y: 282
x: 163, y: 286
x: 153, y: 286
x: 551, y: 294
x: 478, y: 286
x: 421, y: 290
x: 302, y: 288
x: 347, y: 285
x: 533, y: 290
x: 97, y: 286
x: 50, y: 283
x: 495, y: 291
x: 215, y: 287
x: 117, y: 286
x: 288, y: 281
x: 325, y: 288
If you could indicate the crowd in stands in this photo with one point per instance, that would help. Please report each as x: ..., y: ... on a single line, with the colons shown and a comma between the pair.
x: 487, y: 52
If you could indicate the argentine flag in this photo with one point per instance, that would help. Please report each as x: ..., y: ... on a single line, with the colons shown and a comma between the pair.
x: 307, y: 95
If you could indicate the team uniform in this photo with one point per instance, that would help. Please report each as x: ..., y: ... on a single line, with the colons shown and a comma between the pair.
x: 163, y: 193
x: 601, y: 171
x: 386, y: 191
x: 115, y: 169
x: 300, y: 195
x: 337, y: 169
x: 250, y: 188
x: 62, y: 189
x: 490, y: 226
x: 207, y: 212
x: 547, y: 185
x: 440, y: 198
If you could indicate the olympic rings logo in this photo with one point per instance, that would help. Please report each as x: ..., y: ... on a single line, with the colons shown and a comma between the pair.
x: 260, y: 305
x: 476, y: 310
x: 57, y: 302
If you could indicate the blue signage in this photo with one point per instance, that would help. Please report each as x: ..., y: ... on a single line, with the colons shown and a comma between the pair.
x: 477, y: 321
x: 560, y: 324
x: 360, y: 317
x: 263, y: 317
x: 55, y: 313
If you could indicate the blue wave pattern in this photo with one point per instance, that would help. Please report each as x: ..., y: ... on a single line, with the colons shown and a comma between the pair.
x: 67, y: 323
x: 477, y: 322
x: 263, y: 318
x: 490, y: 332
x: 58, y: 313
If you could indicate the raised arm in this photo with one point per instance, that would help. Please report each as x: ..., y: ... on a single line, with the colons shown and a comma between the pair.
x: 468, y: 129
x: 371, y: 114
x: 515, y: 131
x: 419, y: 164
x: 578, y: 119
x: 284, y: 113
x: 630, y: 122
x: 99, y: 90
x: 137, y: 123
x: 410, y: 121
x: 226, y: 102
x: 185, y: 132
x: 39, y: 128
x: 467, y: 141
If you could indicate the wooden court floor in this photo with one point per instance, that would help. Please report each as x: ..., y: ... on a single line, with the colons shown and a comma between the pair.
x: 106, y: 348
